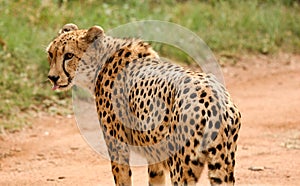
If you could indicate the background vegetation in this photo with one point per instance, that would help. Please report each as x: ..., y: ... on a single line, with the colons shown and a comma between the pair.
x: 233, y: 27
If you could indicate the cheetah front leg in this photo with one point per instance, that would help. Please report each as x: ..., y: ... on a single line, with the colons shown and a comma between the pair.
x: 119, y: 155
x: 156, y: 173
x: 122, y: 174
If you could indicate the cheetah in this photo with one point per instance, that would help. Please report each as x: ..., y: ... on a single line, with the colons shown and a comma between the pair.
x: 179, y: 120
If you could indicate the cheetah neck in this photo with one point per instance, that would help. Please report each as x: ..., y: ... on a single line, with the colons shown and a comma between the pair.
x: 99, y: 53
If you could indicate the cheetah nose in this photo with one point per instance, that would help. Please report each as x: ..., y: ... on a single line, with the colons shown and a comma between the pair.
x: 53, y: 78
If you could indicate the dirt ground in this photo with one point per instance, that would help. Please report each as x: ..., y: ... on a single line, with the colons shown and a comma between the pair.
x: 266, y: 90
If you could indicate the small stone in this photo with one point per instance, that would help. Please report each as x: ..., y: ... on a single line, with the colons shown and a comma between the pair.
x: 74, y: 148
x: 40, y: 155
x: 256, y: 168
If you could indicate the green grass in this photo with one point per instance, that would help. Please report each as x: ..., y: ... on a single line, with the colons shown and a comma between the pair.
x: 26, y: 27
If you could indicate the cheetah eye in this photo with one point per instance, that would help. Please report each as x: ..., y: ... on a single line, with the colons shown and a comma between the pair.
x: 50, y: 54
x: 68, y: 56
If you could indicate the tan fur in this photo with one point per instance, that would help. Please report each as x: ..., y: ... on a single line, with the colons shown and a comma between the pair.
x: 177, y: 119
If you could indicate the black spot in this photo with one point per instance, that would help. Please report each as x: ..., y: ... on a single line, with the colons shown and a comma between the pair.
x: 211, y: 167
x: 203, y: 121
x: 226, y: 131
x: 226, y: 178
x: 222, y: 156
x: 193, y: 95
x: 190, y: 172
x: 166, y: 119
x: 196, y: 142
x: 203, y: 94
x: 217, y: 125
x: 177, y: 166
x: 107, y: 104
x: 195, y: 162
x: 187, y: 106
x: 186, y: 90
x: 110, y: 72
x: 214, y: 135
x: 210, y: 124
x: 196, y: 109
x: 119, y: 76
x: 219, y: 147
x: 206, y: 104
x: 116, y: 70
x: 217, y: 165
x: 111, y: 132
x: 227, y: 161
x: 161, y: 128
x: 115, y: 92
x: 120, y: 61
x: 142, y: 104
x: 149, y: 92
x: 110, y: 59
x: 214, y: 110
x: 120, y: 52
x: 212, y: 150
x: 184, y: 118
x: 171, y: 147
x: 187, y: 80
x: 186, y: 129
x: 129, y: 173
x: 228, y: 146
x: 168, y: 100
x: 187, y: 159
x: 151, y: 107
x: 145, y: 55
x: 208, y: 113
x: 127, y: 54
x: 192, y: 121
x: 235, y: 137
x: 153, y: 174
x: 236, y: 121
x: 106, y: 83
x: 113, y: 117
x: 232, y: 155
x: 188, y: 143
x: 147, y: 139
x: 231, y: 177
x: 217, y: 180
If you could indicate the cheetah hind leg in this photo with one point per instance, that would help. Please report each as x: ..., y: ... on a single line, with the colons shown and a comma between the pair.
x: 220, y: 165
x: 156, y: 174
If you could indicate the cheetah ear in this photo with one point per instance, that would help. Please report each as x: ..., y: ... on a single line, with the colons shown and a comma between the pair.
x: 67, y: 28
x: 93, y: 33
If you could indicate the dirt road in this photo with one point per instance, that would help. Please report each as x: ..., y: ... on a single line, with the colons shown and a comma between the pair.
x: 266, y: 90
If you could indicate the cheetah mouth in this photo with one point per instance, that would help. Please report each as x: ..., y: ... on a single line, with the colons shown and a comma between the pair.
x: 58, y: 87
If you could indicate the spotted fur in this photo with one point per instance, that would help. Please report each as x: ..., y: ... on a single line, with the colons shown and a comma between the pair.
x: 177, y: 119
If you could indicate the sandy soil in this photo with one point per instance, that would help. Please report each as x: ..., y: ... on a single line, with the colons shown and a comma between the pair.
x: 266, y: 90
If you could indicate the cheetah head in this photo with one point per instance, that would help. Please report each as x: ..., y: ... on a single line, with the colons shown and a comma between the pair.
x: 68, y: 52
